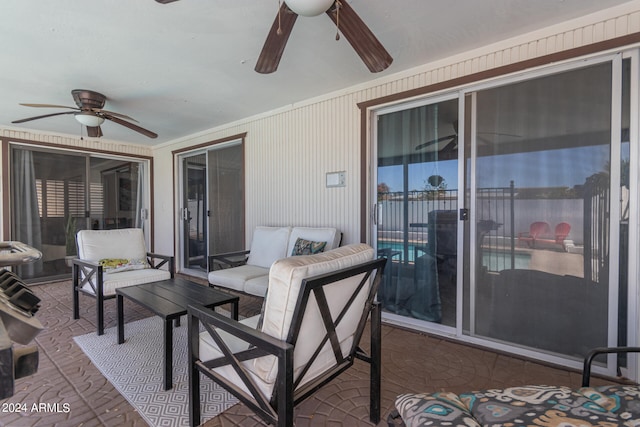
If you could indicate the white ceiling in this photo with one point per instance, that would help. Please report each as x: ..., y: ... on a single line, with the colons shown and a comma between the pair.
x: 187, y: 66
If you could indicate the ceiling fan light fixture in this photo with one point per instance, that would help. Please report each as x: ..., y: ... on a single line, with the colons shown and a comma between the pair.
x: 89, y: 119
x: 309, y: 7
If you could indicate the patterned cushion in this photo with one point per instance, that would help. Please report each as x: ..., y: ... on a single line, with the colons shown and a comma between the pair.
x: 307, y: 247
x: 117, y: 265
x: 535, y: 405
x: 434, y: 410
x: 623, y: 400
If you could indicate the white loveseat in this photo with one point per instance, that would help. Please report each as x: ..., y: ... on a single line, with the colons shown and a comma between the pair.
x: 100, y: 268
x: 248, y: 271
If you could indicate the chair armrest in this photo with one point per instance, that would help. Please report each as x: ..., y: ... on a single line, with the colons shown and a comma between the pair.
x: 586, y: 370
x: 164, y: 259
x: 86, y: 264
x: 260, y: 344
x: 254, y: 337
x: 89, y: 269
x: 228, y: 259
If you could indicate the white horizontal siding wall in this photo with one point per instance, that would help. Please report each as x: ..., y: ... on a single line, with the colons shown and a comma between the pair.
x: 289, y: 151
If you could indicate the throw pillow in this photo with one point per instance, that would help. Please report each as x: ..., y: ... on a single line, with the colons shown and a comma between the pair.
x: 117, y: 265
x: 307, y: 247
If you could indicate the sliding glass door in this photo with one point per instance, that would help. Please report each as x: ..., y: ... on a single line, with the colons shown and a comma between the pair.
x: 56, y: 193
x: 546, y: 141
x: 212, y: 204
x: 503, y: 211
x: 417, y: 210
x: 194, y: 211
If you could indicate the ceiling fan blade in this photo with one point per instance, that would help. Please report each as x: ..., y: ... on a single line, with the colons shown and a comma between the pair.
x: 94, y: 131
x: 49, y: 106
x: 111, y: 113
x: 275, y: 43
x: 435, y: 141
x: 366, y: 45
x: 165, y: 1
x: 42, y: 117
x: 131, y: 126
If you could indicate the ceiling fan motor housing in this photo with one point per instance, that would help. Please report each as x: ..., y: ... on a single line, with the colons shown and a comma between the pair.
x: 309, y: 7
x: 88, y: 99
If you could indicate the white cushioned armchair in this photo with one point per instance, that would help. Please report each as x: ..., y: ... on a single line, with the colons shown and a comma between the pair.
x: 248, y: 271
x: 112, y: 259
x: 309, y: 331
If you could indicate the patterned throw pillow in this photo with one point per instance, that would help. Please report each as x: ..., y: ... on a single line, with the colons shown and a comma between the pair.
x: 117, y: 265
x: 307, y: 247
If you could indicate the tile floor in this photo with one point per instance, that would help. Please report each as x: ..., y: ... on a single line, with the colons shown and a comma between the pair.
x: 411, y: 362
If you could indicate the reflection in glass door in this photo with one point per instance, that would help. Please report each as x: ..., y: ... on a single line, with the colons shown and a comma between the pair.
x: 212, y: 205
x: 543, y: 172
x: 194, y: 212
x: 417, y: 211
x: 542, y: 177
x: 51, y: 201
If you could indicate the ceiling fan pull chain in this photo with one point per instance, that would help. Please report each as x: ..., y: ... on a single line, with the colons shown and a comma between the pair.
x: 279, y: 31
x: 338, y: 6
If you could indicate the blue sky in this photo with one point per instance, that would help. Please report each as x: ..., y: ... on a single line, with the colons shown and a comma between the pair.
x: 550, y: 168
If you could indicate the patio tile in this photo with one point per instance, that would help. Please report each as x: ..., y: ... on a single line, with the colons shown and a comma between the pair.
x: 412, y: 362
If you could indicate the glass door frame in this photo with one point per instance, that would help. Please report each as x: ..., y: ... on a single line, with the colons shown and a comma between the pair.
x: 466, y: 93
x: 181, y: 263
x: 143, y: 214
x: 616, y: 61
x: 393, y: 318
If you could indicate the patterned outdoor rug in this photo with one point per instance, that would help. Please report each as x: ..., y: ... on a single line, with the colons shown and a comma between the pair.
x: 135, y: 370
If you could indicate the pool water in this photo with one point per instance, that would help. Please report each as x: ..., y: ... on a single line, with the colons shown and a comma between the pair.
x: 493, y: 261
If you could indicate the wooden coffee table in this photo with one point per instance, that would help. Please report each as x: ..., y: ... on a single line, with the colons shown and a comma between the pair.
x: 169, y: 300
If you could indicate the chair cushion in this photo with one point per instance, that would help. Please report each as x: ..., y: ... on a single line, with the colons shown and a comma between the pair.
x: 423, y: 409
x: 113, y: 281
x: 258, y: 285
x: 115, y: 265
x: 529, y: 405
x: 209, y: 350
x: 235, y: 278
x: 268, y: 245
x: 307, y: 247
x: 94, y: 245
x: 329, y: 235
x: 285, y: 280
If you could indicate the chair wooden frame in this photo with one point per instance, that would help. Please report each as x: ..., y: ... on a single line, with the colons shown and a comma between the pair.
x: 278, y: 408
x: 85, y: 271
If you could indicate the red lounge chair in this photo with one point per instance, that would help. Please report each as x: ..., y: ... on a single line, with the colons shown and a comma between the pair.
x: 536, y: 230
x: 562, y: 231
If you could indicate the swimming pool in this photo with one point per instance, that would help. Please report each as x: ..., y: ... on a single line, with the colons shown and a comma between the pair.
x: 492, y: 260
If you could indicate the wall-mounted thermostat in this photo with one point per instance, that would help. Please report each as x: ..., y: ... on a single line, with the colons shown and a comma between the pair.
x: 336, y: 179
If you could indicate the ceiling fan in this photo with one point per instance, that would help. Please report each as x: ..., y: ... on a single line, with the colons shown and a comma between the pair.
x: 366, y: 45
x: 347, y: 21
x: 452, y: 139
x: 452, y: 144
x: 89, y: 112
